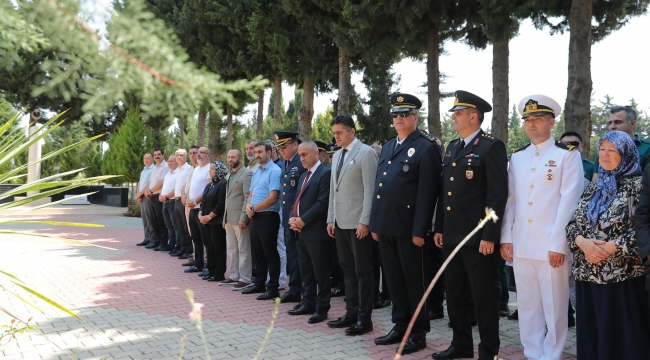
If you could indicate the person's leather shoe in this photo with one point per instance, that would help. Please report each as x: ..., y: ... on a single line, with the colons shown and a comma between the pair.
x: 435, y: 315
x: 174, y: 253
x: 189, y: 263
x: 216, y: 278
x: 289, y: 297
x: 393, y: 337
x: 205, y: 272
x: 337, y: 293
x: 157, y: 248
x: 317, y: 318
x: 192, y: 269
x: 412, y: 345
x: 298, y: 305
x: 454, y: 353
x: 303, y: 310
x: 253, y: 290
x: 184, y: 256
x: 504, y: 313
x: 206, y: 277
x: 381, y: 303
x: 358, y: 329
x: 165, y: 249
x: 514, y: 315
x: 143, y: 243
x: 151, y: 245
x: 343, y: 321
x: 269, y: 295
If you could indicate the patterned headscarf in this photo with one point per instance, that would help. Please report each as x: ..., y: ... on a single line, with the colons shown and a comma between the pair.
x: 606, y: 182
x: 220, y: 171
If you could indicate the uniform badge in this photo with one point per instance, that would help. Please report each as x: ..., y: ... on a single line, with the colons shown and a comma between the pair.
x: 400, y: 98
x: 476, y: 141
x: 448, y: 154
x: 411, y: 152
x: 293, y: 183
x: 469, y: 174
x: 405, y: 168
x: 551, y: 163
x: 549, y: 175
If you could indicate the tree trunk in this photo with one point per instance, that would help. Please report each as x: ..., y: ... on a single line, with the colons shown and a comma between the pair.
x: 343, y: 107
x: 214, y: 135
x: 277, y: 101
x: 201, y: 129
x: 230, y: 131
x: 181, y: 128
x: 306, y: 112
x: 500, y: 88
x: 433, y: 80
x: 260, y: 114
x: 577, y: 105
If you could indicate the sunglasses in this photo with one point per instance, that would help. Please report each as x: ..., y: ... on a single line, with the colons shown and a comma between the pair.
x: 404, y: 115
x: 573, y: 143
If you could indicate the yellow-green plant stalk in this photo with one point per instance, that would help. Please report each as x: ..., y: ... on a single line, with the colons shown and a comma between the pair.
x: 270, y: 328
x: 489, y: 215
x: 180, y: 354
x: 195, y: 316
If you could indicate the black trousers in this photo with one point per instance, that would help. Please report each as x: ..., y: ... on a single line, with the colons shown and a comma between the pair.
x: 405, y: 266
x: 469, y: 269
x: 264, y: 248
x: 315, y: 271
x: 355, y: 257
x: 504, y: 282
x: 381, y: 288
x: 612, y: 321
x: 215, y: 247
x: 293, y: 269
x: 197, y: 237
x: 434, y: 259
x: 184, y: 241
x: 158, y: 221
x: 337, y: 272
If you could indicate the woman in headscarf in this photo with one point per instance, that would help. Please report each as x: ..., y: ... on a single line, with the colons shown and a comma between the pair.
x: 613, y: 321
x: 211, y: 216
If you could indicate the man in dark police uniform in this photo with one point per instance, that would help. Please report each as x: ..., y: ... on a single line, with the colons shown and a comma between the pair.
x: 406, y: 192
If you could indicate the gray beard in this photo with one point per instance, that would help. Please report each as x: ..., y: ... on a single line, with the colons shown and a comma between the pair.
x: 251, y: 158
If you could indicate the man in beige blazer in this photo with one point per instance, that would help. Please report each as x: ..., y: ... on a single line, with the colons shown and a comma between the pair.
x: 235, y: 221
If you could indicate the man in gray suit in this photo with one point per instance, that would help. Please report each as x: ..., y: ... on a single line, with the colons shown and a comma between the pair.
x: 354, y: 169
x: 235, y: 222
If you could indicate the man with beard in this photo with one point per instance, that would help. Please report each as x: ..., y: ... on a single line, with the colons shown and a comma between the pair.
x: 250, y: 155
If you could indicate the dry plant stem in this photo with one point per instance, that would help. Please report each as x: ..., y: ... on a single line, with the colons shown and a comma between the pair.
x: 180, y: 355
x: 268, y: 331
x: 205, y: 343
x: 488, y: 217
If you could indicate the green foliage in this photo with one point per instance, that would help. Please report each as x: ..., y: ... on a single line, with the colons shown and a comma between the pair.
x: 516, y: 134
x: 377, y: 125
x: 322, y: 130
x: 133, y: 209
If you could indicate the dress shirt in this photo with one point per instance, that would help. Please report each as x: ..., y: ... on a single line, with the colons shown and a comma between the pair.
x: 169, y: 184
x: 470, y: 137
x: 145, y: 175
x: 158, y: 174
x: 181, y: 175
x: 265, y: 180
x: 313, y: 170
x: 198, y: 182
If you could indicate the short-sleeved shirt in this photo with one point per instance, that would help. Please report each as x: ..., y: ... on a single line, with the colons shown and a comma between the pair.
x: 145, y: 175
x: 158, y: 174
x: 265, y: 180
x: 169, y: 184
x: 180, y: 178
x: 198, y: 182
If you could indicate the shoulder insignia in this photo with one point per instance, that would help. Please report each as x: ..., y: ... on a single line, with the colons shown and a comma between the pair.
x: 564, y: 146
x: 521, y: 148
x: 488, y: 136
x: 426, y: 135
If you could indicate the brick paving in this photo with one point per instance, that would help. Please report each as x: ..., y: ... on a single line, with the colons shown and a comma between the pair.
x: 134, y: 305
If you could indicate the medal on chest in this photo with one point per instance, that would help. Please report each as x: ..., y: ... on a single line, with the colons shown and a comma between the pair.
x: 549, y: 175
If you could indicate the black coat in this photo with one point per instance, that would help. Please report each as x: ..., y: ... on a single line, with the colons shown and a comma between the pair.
x: 214, y: 200
x: 289, y: 185
x: 642, y: 217
x: 314, y: 202
x: 473, y: 178
x: 406, y: 187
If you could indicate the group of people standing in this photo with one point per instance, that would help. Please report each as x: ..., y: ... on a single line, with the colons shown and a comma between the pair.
x: 395, y: 212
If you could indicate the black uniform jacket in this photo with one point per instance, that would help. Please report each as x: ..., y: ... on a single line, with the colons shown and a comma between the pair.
x: 406, y: 187
x: 289, y: 186
x: 473, y: 178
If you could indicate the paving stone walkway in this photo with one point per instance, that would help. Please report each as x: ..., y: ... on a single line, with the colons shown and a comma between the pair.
x: 134, y: 305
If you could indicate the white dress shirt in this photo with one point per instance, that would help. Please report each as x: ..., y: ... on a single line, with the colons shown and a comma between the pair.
x: 158, y: 174
x: 169, y: 183
x: 180, y: 179
x: 145, y: 175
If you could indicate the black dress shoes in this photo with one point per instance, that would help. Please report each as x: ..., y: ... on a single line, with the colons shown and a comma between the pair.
x: 289, y: 297
x: 381, y: 303
x: 412, y: 345
x: 338, y: 292
x: 317, y: 317
x: 269, y: 295
x: 344, y: 321
x: 253, y: 290
x: 514, y: 315
x: 454, y: 353
x: 298, y: 305
x: 205, y: 272
x: 184, y: 256
x: 216, y: 278
x: 303, y: 310
x: 504, y: 313
x: 151, y: 245
x: 157, y: 248
x: 393, y: 337
x: 174, y: 253
x: 165, y: 249
x: 434, y: 315
x: 143, y: 243
x: 206, y: 277
x: 358, y: 329
x: 192, y: 269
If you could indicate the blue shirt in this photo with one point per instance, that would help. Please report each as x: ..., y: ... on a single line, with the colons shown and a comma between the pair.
x: 265, y: 180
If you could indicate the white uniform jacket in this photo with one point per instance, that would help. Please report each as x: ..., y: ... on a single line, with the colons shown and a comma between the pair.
x: 544, y: 187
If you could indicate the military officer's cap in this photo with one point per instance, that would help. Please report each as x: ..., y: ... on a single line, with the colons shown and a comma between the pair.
x: 404, y: 103
x: 321, y: 145
x: 467, y: 100
x: 283, y: 137
x: 538, y: 105
x: 331, y: 149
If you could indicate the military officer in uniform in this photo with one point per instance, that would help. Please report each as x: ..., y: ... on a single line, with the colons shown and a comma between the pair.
x: 288, y: 143
x: 406, y: 191
x: 474, y: 177
x: 545, y: 182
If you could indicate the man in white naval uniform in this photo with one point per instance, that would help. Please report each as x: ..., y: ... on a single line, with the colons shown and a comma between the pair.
x: 544, y: 187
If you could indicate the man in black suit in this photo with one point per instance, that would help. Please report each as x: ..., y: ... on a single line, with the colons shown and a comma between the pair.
x: 309, y: 221
x: 406, y: 191
x: 474, y: 177
x: 642, y: 226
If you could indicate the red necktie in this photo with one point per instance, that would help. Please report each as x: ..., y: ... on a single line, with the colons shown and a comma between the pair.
x: 295, y: 204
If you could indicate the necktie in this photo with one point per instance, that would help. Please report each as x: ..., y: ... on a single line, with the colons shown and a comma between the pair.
x: 462, y: 145
x: 396, y: 147
x: 295, y: 204
x: 340, y: 165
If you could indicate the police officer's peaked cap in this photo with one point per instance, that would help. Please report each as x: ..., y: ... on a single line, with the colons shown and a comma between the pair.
x: 467, y: 100
x: 320, y: 145
x: 404, y: 102
x: 283, y: 137
x: 331, y: 149
x: 538, y: 105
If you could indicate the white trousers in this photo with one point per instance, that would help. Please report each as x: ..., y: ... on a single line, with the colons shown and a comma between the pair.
x: 239, y: 250
x: 542, y: 300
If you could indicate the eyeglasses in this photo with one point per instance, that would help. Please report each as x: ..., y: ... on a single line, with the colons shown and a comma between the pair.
x: 404, y: 115
x: 572, y: 143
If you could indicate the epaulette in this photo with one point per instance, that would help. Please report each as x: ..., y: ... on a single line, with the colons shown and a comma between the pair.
x: 426, y: 135
x: 487, y: 136
x: 564, y: 146
x: 521, y: 148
